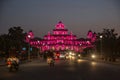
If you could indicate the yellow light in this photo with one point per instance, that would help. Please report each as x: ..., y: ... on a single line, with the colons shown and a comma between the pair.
x: 70, y: 56
x: 93, y: 56
x: 93, y: 63
x: 70, y: 53
x: 79, y: 60
x: 79, y: 55
x: 73, y: 58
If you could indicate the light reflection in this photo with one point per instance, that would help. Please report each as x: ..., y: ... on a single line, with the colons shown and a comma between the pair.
x: 93, y: 63
x: 93, y: 56
x: 79, y: 60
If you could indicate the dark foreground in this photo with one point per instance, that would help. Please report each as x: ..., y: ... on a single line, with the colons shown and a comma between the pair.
x: 63, y: 70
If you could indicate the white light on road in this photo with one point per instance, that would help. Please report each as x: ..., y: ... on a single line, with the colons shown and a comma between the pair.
x: 93, y: 63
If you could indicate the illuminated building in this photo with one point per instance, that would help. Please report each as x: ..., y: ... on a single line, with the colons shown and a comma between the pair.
x: 60, y: 39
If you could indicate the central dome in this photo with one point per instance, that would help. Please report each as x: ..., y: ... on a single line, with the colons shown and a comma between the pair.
x: 60, y: 25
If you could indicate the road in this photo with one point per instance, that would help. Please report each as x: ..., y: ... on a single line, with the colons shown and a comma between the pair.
x: 63, y: 70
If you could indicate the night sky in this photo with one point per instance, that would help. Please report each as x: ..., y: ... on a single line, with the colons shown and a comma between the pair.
x: 41, y: 16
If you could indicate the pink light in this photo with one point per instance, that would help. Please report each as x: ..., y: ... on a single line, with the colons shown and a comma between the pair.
x: 60, y: 25
x: 88, y: 42
x: 89, y: 35
x: 58, y: 40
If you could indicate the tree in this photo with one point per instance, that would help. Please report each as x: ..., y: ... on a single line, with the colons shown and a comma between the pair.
x: 4, y: 44
x: 117, y: 48
x: 14, y: 40
x: 109, y: 42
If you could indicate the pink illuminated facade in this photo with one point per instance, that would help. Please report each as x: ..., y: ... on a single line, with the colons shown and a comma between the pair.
x: 60, y: 39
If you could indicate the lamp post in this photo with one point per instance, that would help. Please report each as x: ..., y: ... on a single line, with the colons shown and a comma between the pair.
x: 101, y: 45
x: 29, y: 48
x: 38, y: 55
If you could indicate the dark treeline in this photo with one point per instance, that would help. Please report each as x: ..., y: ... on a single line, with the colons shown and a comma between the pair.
x: 13, y: 40
x: 13, y: 43
x: 108, y: 44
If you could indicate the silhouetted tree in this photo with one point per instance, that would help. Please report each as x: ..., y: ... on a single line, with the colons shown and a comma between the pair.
x: 13, y: 40
x: 4, y: 44
x: 109, y: 42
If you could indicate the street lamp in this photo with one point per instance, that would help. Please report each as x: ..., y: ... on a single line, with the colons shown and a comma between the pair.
x: 29, y: 48
x: 38, y: 55
x: 101, y: 45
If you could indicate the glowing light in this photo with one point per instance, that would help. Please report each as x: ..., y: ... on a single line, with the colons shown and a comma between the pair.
x: 73, y: 57
x: 79, y: 55
x: 93, y: 56
x: 93, y: 63
x: 70, y: 56
x: 62, y: 56
x: 101, y: 36
x: 79, y: 60
x: 70, y: 53
x: 60, y: 39
x: 29, y: 36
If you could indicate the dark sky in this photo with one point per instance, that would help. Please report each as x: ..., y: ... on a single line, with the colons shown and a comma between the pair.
x: 41, y: 16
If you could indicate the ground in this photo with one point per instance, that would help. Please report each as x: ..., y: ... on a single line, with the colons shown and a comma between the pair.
x: 63, y: 70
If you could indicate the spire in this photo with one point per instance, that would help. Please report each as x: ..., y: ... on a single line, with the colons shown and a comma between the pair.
x: 60, y: 25
x: 60, y: 22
